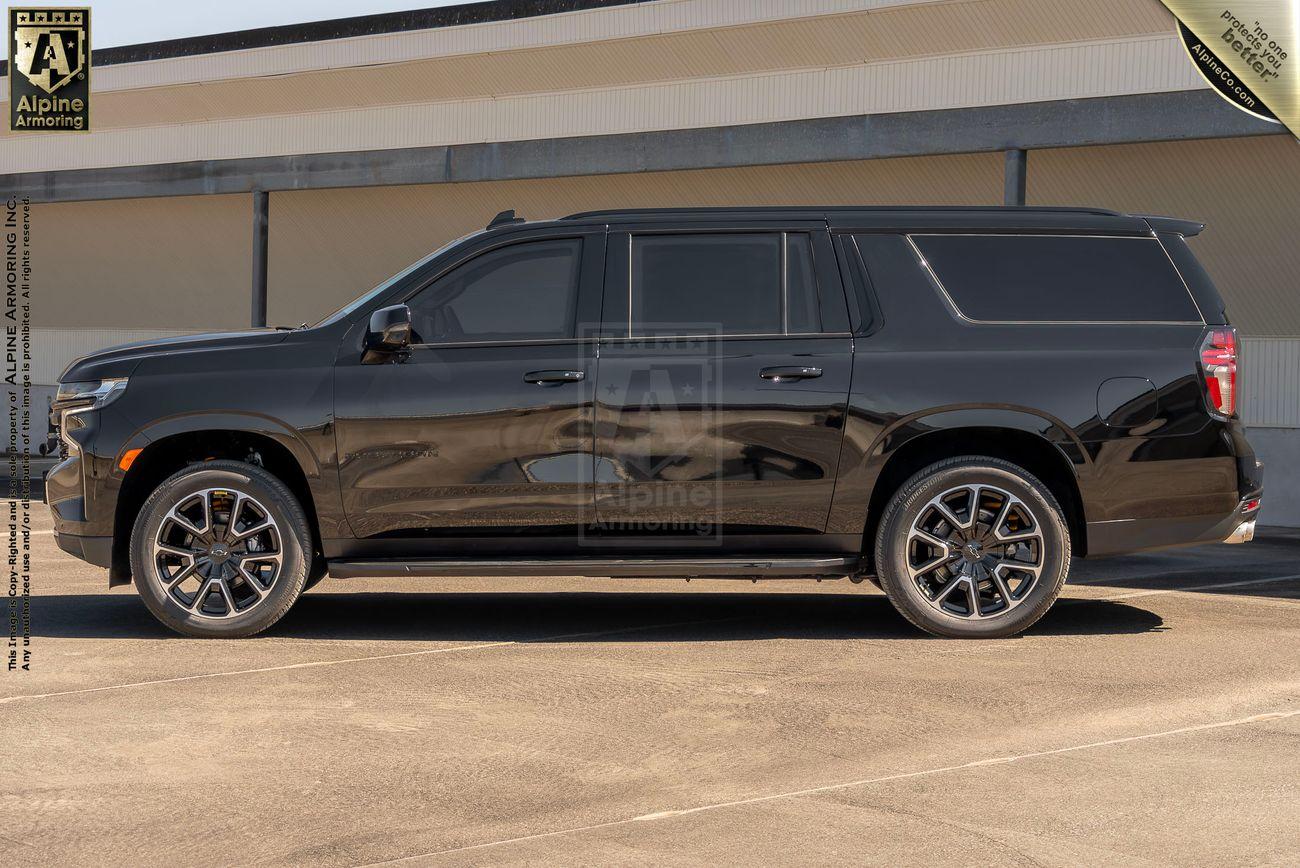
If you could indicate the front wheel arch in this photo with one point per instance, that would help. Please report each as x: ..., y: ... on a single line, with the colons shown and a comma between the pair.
x: 165, y: 456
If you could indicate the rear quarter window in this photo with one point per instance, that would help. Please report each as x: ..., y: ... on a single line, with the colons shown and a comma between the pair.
x: 1027, y: 278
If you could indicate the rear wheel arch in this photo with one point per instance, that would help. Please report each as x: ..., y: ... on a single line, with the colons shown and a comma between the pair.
x: 165, y: 456
x: 1033, y: 452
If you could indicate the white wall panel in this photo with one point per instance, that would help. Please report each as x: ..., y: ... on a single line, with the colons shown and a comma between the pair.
x: 1270, y: 373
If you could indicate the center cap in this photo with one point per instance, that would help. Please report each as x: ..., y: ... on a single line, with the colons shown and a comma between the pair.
x: 219, y: 553
x: 973, y: 550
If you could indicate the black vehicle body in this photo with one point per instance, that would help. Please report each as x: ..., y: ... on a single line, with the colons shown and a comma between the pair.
x: 531, y: 456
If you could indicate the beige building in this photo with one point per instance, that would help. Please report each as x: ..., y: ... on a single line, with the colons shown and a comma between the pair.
x: 278, y: 173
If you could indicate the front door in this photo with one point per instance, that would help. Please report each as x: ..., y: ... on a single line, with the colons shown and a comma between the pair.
x: 722, y: 383
x: 485, y: 429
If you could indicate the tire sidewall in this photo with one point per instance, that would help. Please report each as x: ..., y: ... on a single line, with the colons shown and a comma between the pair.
x: 891, y: 547
x: 284, y: 510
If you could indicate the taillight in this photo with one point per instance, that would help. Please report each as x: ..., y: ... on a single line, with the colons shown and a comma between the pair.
x: 1219, y: 366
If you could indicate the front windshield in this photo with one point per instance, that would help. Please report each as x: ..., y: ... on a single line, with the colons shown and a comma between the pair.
x: 392, y: 281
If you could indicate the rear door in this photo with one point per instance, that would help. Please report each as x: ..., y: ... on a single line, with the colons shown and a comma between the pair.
x: 723, y: 379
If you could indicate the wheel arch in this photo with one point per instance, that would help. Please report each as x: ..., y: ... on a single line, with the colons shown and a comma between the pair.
x: 1030, y: 449
x: 173, y: 444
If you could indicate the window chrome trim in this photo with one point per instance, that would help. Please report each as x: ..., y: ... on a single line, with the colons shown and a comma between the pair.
x: 783, y: 237
x: 512, y: 342
x: 766, y: 336
x: 957, y: 311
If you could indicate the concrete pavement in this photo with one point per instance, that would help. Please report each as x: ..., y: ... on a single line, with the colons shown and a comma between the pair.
x: 1152, y: 716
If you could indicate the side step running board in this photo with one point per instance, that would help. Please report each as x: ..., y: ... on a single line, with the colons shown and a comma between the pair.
x: 675, y: 568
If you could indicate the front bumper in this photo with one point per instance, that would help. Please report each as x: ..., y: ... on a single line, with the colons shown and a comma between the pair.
x: 96, y: 550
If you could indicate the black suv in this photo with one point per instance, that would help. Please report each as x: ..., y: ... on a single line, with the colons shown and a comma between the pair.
x: 950, y: 402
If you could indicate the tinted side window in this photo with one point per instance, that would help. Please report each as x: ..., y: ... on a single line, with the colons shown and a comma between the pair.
x: 724, y: 283
x: 526, y: 291
x: 1058, y: 278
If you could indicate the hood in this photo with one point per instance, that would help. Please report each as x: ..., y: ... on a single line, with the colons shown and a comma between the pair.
x: 121, y: 360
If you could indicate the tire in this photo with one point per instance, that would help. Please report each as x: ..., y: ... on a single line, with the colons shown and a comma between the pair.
x: 249, y: 577
x: 931, y: 556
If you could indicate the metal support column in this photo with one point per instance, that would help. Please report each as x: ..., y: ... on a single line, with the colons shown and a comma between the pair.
x: 261, y: 208
x: 1014, y: 184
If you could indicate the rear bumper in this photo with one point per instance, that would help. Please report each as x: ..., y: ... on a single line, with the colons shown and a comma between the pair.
x: 1126, y: 536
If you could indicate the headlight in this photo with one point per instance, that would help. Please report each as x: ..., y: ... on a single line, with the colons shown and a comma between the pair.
x: 74, y: 399
x: 94, y: 393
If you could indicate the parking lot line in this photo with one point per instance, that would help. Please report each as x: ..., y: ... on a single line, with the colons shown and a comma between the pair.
x: 1132, y: 595
x: 481, y: 646
x: 991, y: 761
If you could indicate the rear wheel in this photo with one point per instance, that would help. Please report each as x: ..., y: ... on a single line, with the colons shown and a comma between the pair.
x: 218, y: 550
x: 973, y: 547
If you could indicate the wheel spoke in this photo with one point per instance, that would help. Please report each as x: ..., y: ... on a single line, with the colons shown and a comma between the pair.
x: 1002, y: 516
x: 233, y: 536
x: 973, y: 598
x: 985, y: 552
x: 1003, y: 591
x: 202, y: 594
x: 1009, y: 564
x: 949, y: 516
x: 231, y: 518
x: 224, y: 588
x: 207, y: 556
x: 946, y: 591
x: 252, y: 581
x: 190, y: 568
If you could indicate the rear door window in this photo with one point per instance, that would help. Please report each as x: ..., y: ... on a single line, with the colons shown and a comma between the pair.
x: 1029, y: 278
x: 755, y: 283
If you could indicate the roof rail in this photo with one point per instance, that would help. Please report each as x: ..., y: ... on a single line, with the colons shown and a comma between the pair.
x: 629, y: 212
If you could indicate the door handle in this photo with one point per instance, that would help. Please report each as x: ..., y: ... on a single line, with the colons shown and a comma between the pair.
x: 553, y: 378
x: 789, y: 374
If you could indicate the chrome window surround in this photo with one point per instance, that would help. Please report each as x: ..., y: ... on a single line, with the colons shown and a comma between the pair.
x: 957, y: 311
x: 785, y: 286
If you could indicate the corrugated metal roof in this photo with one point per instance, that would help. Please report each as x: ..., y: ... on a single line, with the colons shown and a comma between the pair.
x: 1135, y: 65
x: 795, y: 43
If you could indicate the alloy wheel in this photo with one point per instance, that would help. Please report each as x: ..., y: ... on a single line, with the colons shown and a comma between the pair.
x: 217, y: 553
x: 975, y: 551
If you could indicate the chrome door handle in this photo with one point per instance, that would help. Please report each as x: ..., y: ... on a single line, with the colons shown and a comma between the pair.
x: 553, y: 378
x: 788, y: 374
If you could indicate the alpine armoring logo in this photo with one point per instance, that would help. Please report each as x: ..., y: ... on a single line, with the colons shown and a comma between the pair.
x: 49, y: 70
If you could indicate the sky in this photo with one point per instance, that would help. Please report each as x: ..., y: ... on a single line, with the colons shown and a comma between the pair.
x: 127, y: 22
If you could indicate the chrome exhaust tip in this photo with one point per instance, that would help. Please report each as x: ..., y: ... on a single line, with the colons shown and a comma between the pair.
x: 1245, y: 532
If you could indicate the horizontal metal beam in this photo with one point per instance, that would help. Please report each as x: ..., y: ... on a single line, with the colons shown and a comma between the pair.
x: 1196, y: 114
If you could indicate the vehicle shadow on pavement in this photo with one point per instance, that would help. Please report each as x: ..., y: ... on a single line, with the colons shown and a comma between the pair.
x: 573, y: 616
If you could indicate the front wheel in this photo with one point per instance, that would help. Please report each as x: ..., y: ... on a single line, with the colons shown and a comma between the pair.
x: 973, y: 547
x: 220, y: 550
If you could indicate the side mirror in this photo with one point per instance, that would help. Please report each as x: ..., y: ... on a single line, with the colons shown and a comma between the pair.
x: 390, y: 329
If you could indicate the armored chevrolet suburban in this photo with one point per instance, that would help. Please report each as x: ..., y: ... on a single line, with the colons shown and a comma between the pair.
x: 949, y: 402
